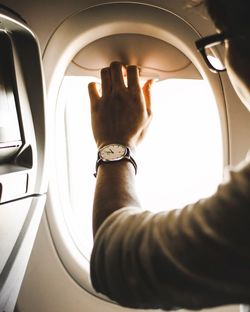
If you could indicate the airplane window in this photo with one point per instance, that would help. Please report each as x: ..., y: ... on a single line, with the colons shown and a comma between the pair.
x: 179, y: 162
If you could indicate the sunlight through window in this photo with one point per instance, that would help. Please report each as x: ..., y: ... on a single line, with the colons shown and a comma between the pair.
x: 179, y: 162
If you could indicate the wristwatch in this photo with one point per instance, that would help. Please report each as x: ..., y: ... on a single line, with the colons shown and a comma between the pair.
x: 112, y: 153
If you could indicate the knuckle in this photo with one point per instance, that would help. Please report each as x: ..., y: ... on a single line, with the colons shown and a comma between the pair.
x: 117, y: 92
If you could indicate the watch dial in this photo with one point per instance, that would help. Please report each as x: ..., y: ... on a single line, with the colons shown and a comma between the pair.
x: 113, y: 152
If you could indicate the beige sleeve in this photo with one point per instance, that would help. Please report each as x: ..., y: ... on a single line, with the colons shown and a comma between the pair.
x: 193, y: 258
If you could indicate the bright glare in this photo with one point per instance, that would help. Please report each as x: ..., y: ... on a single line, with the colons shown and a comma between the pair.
x: 216, y: 62
x: 179, y: 162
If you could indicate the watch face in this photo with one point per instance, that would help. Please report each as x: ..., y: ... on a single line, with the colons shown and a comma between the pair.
x: 113, y: 152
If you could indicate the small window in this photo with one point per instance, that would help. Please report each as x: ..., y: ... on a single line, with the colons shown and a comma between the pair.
x: 179, y: 162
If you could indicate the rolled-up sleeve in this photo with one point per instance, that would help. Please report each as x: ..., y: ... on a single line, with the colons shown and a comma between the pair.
x: 195, y: 257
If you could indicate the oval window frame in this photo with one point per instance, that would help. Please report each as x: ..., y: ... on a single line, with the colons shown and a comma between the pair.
x: 110, y: 19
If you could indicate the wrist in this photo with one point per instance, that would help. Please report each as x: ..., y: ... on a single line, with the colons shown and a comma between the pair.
x: 114, y: 153
x: 116, y: 169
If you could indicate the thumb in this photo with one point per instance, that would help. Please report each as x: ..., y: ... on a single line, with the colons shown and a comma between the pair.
x: 93, y: 93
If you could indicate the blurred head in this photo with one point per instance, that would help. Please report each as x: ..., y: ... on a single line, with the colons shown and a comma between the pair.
x: 233, y: 16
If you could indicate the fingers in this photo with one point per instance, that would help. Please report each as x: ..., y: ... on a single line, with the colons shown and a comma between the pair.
x: 147, y: 95
x: 106, y: 81
x: 113, y: 79
x: 93, y: 94
x: 117, y: 75
x: 133, y: 77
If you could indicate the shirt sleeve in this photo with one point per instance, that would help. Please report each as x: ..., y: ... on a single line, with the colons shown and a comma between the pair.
x: 193, y: 258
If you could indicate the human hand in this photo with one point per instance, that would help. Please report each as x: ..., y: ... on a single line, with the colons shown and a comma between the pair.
x: 122, y: 113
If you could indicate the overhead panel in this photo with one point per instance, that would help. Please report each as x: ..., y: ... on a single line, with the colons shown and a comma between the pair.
x: 155, y: 58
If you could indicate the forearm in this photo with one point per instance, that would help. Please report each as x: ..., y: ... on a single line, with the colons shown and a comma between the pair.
x: 115, y: 189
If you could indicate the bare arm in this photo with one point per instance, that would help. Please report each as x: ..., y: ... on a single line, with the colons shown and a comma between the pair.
x: 114, y: 189
x: 120, y: 115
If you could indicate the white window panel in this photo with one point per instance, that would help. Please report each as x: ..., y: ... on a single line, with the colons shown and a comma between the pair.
x: 179, y: 162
